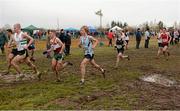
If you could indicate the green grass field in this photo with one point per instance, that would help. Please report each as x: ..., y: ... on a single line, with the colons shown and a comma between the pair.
x: 122, y: 88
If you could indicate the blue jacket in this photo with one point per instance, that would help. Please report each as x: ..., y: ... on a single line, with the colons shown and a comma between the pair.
x: 3, y: 38
x: 138, y: 35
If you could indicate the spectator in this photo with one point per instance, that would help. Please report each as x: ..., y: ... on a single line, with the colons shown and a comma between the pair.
x: 62, y: 36
x: 171, y: 32
x: 3, y: 40
x: 147, y: 38
x: 138, y: 38
x: 176, y: 36
x: 110, y: 37
x: 68, y: 43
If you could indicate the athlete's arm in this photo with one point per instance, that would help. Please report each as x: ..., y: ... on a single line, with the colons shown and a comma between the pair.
x: 49, y: 50
x: 10, y: 42
x: 123, y: 38
x: 28, y: 37
x: 159, y: 36
x: 125, y: 43
x: 61, y: 44
x: 95, y: 41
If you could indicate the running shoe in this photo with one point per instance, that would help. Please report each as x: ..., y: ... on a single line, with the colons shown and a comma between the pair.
x: 81, y: 83
x: 39, y: 75
x: 58, y: 80
x: 128, y: 58
x: 20, y: 77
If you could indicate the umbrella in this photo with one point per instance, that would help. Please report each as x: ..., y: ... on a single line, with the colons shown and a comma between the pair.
x: 92, y: 29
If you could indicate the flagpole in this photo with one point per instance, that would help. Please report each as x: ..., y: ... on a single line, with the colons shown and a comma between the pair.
x: 58, y: 23
x: 100, y: 21
x: 99, y: 13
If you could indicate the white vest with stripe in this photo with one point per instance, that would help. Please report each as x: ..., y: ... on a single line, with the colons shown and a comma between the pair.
x: 21, y: 42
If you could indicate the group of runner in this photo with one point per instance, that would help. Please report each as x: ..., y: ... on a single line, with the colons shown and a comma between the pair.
x: 19, y: 44
x: 20, y: 41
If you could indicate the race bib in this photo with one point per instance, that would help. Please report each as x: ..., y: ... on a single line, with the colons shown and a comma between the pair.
x: 119, y: 46
x: 22, y: 44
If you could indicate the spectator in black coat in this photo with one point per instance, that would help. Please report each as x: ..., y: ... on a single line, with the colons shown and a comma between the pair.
x: 62, y: 36
x: 67, y: 43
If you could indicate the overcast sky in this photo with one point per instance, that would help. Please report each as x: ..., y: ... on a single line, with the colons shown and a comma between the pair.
x: 75, y: 13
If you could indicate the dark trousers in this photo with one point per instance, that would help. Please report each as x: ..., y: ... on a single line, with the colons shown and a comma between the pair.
x: 67, y: 49
x: 2, y: 48
x: 172, y: 41
x: 146, y: 43
x: 110, y: 42
x: 137, y: 43
x: 176, y: 40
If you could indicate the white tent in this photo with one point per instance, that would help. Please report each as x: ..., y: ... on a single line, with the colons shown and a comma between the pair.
x: 115, y: 28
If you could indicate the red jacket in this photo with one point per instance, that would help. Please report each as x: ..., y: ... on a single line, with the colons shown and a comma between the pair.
x: 110, y: 35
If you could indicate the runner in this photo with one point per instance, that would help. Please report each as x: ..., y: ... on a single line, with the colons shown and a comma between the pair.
x: 86, y: 42
x: 120, y: 43
x: 166, y: 38
x: 48, y: 45
x: 22, y: 53
x: 160, y: 49
x: 127, y: 38
x: 12, y: 46
x: 110, y: 37
x: 58, y: 47
x: 31, y: 49
x: 176, y: 36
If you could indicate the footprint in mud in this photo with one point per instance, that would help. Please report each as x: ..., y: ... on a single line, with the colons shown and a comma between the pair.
x: 89, y: 98
x: 159, y: 79
x: 146, y: 68
x: 10, y: 78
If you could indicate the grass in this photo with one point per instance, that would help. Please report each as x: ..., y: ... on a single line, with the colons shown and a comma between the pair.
x: 122, y: 88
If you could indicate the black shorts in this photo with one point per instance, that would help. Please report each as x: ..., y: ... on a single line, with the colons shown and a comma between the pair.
x: 120, y: 50
x: 160, y: 45
x: 23, y: 52
x: 58, y: 56
x: 88, y: 56
x: 165, y: 44
x: 14, y: 52
x: 127, y: 41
